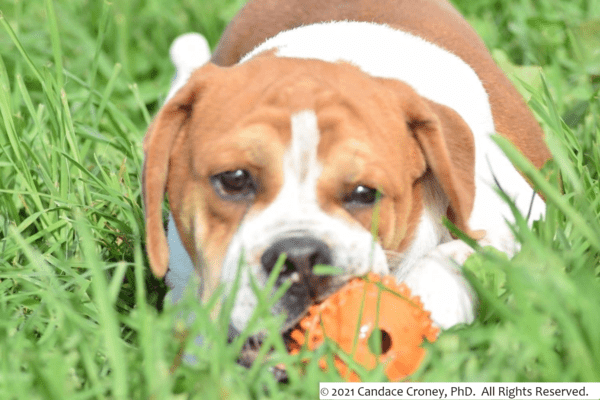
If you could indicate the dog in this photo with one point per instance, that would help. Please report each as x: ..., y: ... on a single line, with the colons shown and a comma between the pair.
x: 337, y: 132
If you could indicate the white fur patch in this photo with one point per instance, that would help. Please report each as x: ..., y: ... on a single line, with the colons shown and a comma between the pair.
x: 440, y: 285
x: 302, y: 158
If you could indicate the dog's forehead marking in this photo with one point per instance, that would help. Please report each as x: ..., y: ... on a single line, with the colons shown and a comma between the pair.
x: 300, y: 165
x: 304, y: 143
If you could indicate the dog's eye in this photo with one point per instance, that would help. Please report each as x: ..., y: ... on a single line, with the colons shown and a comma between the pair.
x: 234, y: 185
x: 362, y: 196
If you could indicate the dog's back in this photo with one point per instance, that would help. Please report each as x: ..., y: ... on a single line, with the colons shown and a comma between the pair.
x: 433, y: 20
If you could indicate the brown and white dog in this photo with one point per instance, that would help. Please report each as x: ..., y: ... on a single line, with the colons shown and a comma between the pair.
x: 311, y: 118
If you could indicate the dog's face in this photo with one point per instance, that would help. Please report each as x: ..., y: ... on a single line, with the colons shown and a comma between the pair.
x: 300, y: 157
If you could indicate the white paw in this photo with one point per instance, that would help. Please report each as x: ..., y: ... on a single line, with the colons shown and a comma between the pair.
x: 456, y: 250
x: 439, y: 282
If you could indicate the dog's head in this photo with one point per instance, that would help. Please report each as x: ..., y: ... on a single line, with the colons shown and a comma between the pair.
x: 300, y: 157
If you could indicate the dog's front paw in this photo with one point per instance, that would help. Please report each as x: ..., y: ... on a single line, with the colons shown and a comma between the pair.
x: 437, y: 279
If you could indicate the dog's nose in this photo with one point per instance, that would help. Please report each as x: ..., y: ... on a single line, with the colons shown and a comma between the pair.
x: 302, y: 254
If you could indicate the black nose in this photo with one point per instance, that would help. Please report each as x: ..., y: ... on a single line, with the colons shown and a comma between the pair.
x: 302, y: 254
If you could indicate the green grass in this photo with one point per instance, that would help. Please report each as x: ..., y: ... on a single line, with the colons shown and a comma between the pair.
x: 79, y: 319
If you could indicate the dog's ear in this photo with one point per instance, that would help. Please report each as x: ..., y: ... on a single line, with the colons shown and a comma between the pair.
x: 449, y: 149
x: 167, y: 127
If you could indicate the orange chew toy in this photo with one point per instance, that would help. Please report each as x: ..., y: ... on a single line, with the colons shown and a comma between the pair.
x: 402, y: 321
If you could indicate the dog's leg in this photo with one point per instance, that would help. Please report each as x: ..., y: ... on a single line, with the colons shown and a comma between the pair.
x: 491, y: 213
x: 187, y: 52
x: 437, y: 279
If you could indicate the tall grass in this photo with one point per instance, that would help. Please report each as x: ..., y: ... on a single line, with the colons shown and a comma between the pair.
x: 79, y: 312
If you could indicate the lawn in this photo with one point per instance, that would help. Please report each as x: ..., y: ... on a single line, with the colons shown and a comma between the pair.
x: 81, y: 316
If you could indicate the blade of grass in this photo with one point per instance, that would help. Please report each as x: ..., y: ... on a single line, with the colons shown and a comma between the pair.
x: 21, y: 50
x: 586, y: 227
x: 56, y: 45
x: 102, y: 29
x: 108, y: 89
x: 108, y: 317
x: 136, y: 92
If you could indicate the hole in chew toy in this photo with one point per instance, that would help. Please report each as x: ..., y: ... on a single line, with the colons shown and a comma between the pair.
x: 385, y: 341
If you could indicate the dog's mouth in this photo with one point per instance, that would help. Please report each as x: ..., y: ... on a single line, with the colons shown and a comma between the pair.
x: 251, y: 349
x: 298, y: 300
x: 296, y: 312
